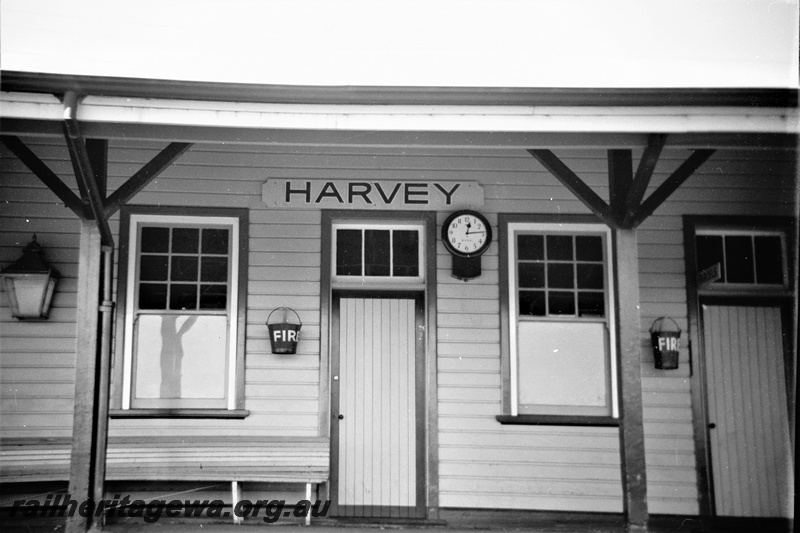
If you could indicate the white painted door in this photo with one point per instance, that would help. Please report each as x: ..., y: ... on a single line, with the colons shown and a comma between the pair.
x: 746, y: 382
x: 374, y: 379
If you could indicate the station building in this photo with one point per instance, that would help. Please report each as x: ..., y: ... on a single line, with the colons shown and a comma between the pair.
x: 472, y: 278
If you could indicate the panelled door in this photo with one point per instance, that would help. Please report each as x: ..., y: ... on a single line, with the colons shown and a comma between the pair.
x: 377, y: 404
x: 751, y: 459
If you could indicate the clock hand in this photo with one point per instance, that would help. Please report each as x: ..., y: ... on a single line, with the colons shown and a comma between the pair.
x: 473, y: 232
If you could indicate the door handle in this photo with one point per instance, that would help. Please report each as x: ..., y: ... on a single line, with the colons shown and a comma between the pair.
x: 341, y: 417
x: 712, y: 425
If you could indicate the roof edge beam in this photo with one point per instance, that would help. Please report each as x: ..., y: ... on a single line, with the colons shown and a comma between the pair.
x: 406, y: 118
x: 39, y: 82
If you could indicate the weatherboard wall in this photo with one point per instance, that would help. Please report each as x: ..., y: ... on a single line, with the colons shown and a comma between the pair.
x: 481, y: 463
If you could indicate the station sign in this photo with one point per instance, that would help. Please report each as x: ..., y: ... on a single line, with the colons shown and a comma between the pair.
x: 371, y: 194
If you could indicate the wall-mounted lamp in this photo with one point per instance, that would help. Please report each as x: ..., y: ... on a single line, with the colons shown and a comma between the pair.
x: 29, y: 282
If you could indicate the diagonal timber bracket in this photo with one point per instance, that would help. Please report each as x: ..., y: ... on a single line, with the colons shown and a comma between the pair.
x: 571, y: 181
x: 626, y: 210
x: 670, y: 185
x: 139, y: 181
x: 47, y: 176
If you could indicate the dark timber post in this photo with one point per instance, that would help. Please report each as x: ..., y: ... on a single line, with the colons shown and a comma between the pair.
x: 83, y: 427
x: 634, y: 481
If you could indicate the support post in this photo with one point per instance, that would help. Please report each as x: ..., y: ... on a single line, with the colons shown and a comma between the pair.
x: 97, y: 149
x: 620, y: 178
x: 103, y: 383
x: 634, y: 479
x: 83, y: 426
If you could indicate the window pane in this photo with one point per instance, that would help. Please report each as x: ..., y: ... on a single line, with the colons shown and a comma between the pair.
x: 561, y: 303
x: 588, y: 248
x: 562, y: 365
x: 531, y: 303
x: 214, y: 269
x: 531, y: 275
x: 709, y: 253
x: 153, y: 268
x: 530, y: 247
x: 183, y: 296
x: 215, y: 241
x: 180, y: 356
x: 560, y: 275
x: 739, y: 259
x: 185, y: 240
x: 591, y: 304
x: 348, y: 252
x: 405, y: 247
x: 376, y: 252
x: 213, y: 296
x: 590, y: 276
x: 184, y: 269
x: 559, y: 247
x: 152, y: 296
x: 769, y: 260
x: 155, y: 240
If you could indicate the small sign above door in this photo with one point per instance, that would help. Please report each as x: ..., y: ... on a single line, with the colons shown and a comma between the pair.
x: 384, y: 194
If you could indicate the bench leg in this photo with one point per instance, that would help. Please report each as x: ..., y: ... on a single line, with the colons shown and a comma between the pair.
x: 308, y: 499
x: 236, y: 495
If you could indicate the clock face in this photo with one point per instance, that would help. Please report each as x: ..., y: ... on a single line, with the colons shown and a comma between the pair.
x: 466, y: 233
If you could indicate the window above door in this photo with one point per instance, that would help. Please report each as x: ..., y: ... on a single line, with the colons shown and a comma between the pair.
x: 742, y: 260
x: 367, y: 254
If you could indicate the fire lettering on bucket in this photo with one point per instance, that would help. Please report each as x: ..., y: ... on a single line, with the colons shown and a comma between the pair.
x: 668, y: 343
x: 284, y: 335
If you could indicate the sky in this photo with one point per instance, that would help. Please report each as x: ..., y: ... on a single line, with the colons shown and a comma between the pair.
x: 442, y: 43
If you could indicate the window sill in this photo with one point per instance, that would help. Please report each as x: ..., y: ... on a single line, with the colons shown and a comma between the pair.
x: 559, y: 420
x: 178, y: 413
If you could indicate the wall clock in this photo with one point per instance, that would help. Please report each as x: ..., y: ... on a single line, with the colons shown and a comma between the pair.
x: 466, y: 235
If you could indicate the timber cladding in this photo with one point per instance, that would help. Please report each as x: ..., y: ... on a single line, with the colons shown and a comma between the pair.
x: 481, y: 462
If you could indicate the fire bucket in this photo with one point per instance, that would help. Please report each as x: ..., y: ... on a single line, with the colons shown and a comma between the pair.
x: 666, y: 344
x: 284, y: 336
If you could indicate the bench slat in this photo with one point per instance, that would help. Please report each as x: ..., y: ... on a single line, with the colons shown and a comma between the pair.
x: 172, y: 459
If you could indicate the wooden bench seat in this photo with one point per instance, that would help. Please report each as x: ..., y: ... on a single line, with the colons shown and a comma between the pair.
x: 231, y: 459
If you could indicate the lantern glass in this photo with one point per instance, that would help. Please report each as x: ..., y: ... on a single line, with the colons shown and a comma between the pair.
x: 29, y: 282
x: 29, y: 295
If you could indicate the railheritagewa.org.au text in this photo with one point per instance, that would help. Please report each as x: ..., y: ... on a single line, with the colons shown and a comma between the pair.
x: 62, y: 505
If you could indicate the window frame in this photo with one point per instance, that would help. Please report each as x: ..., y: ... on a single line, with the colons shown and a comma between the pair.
x: 410, y: 282
x: 546, y: 231
x: 510, y: 226
x: 133, y: 218
x: 754, y: 287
